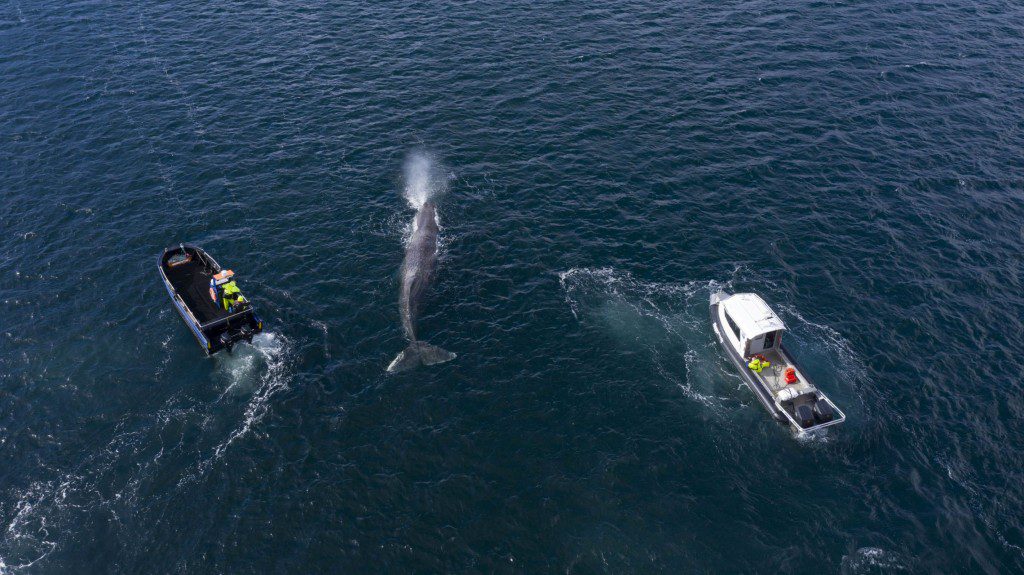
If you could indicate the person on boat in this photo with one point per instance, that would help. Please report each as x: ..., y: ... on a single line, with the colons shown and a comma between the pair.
x: 232, y: 297
x: 217, y: 284
x: 238, y: 304
x: 758, y: 363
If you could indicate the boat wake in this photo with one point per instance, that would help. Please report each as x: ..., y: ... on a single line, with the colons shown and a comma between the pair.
x: 41, y: 514
x: 27, y: 538
x: 670, y: 323
x: 836, y: 367
x: 260, y: 369
x: 667, y: 321
x: 243, y: 369
x: 873, y: 560
x: 815, y: 438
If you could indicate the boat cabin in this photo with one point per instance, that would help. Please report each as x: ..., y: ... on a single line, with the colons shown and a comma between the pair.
x: 753, y: 328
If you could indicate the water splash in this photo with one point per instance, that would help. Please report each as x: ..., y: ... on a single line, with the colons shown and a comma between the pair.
x: 666, y: 320
x: 425, y: 178
x: 812, y: 439
x: 269, y: 352
x: 243, y: 366
x: 262, y: 370
x: 843, y: 358
x: 30, y: 536
x: 873, y: 560
x: 670, y: 323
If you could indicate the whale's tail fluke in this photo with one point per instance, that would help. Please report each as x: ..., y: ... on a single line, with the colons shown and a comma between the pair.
x: 419, y: 353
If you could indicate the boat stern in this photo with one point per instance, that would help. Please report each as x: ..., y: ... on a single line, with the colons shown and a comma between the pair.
x: 809, y: 411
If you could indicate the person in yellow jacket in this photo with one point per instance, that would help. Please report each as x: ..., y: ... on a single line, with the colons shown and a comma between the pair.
x: 232, y: 296
x: 758, y: 363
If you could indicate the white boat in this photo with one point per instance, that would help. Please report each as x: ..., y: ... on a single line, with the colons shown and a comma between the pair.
x: 748, y: 329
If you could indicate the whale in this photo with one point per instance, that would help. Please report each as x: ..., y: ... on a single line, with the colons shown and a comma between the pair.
x: 417, y: 273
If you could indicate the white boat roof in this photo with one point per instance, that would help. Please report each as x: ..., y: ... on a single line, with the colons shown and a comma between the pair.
x: 751, y: 314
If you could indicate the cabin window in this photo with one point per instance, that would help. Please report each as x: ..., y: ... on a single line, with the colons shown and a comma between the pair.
x: 769, y: 339
x: 732, y: 325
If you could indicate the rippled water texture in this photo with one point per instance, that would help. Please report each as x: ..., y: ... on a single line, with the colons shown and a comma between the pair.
x: 607, y: 165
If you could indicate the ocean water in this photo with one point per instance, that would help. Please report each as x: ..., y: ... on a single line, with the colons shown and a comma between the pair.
x: 600, y: 168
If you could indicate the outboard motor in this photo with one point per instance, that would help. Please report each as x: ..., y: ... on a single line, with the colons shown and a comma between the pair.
x: 803, y: 415
x: 823, y: 412
x: 225, y: 340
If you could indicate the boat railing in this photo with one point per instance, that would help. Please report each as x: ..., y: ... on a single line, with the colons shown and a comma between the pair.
x: 186, y: 308
x: 224, y: 320
x: 836, y: 421
x: 801, y: 430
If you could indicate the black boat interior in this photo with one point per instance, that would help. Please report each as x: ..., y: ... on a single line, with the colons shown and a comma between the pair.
x: 190, y: 276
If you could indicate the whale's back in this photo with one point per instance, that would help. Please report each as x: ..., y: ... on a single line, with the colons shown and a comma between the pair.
x: 418, y: 267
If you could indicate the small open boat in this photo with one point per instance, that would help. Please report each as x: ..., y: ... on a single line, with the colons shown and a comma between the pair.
x: 207, y: 298
x: 751, y: 334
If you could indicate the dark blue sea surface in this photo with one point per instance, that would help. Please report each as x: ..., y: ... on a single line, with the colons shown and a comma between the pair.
x: 601, y: 168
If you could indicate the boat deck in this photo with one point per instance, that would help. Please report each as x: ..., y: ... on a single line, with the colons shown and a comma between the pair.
x: 775, y: 375
x: 192, y: 282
